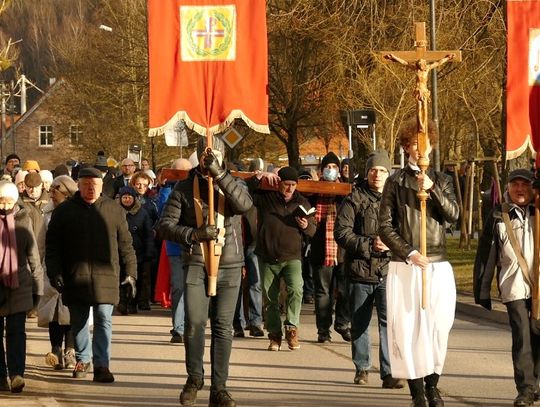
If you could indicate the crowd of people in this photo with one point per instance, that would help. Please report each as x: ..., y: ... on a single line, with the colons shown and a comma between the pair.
x: 80, y: 242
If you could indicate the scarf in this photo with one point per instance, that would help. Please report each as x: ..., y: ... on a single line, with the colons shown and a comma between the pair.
x: 9, y: 266
x: 326, y: 211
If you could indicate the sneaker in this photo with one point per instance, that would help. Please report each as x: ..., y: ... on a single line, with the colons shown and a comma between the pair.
x: 434, y: 397
x: 69, y: 358
x: 361, y: 377
x: 239, y: 333
x: 177, y: 338
x: 524, y: 398
x: 188, y: 396
x: 345, y: 333
x: 324, y: 338
x: 17, y: 384
x: 80, y: 369
x: 256, y: 331
x: 221, y: 398
x: 4, y: 384
x: 291, y: 335
x: 275, y: 342
x: 55, y: 359
x: 103, y: 375
x: 389, y: 382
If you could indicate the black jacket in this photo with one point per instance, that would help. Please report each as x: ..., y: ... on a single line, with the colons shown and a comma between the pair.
x: 178, y: 217
x: 399, y: 214
x: 84, y: 243
x: 140, y: 227
x: 278, y: 237
x: 355, y: 229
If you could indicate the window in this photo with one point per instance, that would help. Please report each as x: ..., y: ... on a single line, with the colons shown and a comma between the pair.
x: 75, y: 133
x: 45, y: 135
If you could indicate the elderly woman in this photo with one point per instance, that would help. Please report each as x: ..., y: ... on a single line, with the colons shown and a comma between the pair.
x: 52, y: 313
x: 21, y: 276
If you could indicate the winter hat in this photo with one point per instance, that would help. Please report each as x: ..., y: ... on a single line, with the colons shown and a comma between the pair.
x: 11, y: 157
x: 32, y: 179
x: 89, y: 172
x: 151, y: 174
x: 288, y: 174
x: 101, y: 163
x: 256, y: 165
x: 378, y: 158
x: 521, y: 173
x: 30, y: 165
x: 61, y: 169
x: 46, y: 176
x: 344, y: 162
x: 330, y: 158
x: 8, y: 190
x: 20, y: 176
x: 127, y: 191
x: 65, y: 184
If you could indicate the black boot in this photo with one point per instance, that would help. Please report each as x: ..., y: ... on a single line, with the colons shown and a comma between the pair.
x: 188, y: 396
x: 524, y: 398
x: 434, y: 397
x: 221, y: 398
x: 416, y: 387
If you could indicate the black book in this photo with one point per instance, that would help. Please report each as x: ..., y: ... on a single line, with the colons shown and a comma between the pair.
x: 302, y: 212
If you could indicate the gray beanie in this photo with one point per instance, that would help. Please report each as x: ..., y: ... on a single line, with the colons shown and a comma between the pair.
x: 378, y: 158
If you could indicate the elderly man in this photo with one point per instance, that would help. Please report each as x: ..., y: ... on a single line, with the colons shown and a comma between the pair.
x: 87, y: 238
x: 506, y: 249
x: 281, y: 230
x: 12, y: 161
x: 128, y: 169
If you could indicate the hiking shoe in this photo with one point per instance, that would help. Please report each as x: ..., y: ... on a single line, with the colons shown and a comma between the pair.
x: 361, y: 377
x: 188, y: 396
x: 345, y: 333
x: 524, y: 398
x: 221, y: 398
x: 389, y: 382
x: 103, y: 375
x: 80, y: 369
x: 55, y: 359
x: 177, y: 338
x: 275, y: 342
x: 69, y: 358
x: 434, y: 397
x: 239, y: 333
x: 17, y: 384
x: 291, y: 335
x: 256, y: 331
x: 324, y: 337
x: 4, y: 384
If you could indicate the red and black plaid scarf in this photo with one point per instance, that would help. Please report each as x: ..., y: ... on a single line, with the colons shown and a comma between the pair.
x: 326, y: 211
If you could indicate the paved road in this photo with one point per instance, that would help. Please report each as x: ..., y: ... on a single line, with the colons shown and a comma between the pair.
x: 150, y: 371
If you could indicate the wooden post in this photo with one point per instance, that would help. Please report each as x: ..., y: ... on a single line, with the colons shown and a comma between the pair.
x: 211, y: 262
x: 535, y: 311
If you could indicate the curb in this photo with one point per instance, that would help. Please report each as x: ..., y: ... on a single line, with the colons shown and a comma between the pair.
x: 465, y: 305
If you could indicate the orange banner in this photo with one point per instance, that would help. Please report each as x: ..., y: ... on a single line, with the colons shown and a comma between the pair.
x: 207, y: 64
x: 523, y: 77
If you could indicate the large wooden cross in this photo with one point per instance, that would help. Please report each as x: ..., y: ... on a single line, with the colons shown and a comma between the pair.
x: 422, y: 61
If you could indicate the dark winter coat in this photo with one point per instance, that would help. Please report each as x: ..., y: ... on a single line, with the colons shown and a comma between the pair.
x: 279, y: 238
x: 84, y: 243
x: 178, y: 219
x: 30, y: 273
x: 399, y: 214
x: 140, y: 227
x: 355, y: 229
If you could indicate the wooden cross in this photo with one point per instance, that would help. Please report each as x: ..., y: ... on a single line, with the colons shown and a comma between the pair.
x: 421, y: 61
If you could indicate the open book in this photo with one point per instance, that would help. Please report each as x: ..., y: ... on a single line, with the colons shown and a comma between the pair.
x: 302, y: 212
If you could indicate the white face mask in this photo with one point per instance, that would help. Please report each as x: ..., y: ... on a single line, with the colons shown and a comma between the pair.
x: 330, y: 174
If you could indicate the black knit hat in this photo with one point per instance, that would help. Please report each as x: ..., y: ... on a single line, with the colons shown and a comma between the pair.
x: 12, y: 156
x: 288, y: 174
x: 378, y: 158
x: 127, y: 191
x: 330, y: 158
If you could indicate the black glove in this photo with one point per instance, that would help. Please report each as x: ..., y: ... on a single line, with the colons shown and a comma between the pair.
x: 58, y: 283
x: 211, y: 164
x: 205, y: 233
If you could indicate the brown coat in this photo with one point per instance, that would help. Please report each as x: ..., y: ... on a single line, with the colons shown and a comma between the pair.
x: 30, y: 272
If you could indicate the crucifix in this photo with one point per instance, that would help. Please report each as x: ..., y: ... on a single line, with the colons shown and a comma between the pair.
x: 422, y: 61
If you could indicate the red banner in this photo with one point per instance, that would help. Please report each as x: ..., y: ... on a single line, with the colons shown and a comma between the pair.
x: 207, y: 64
x: 523, y: 77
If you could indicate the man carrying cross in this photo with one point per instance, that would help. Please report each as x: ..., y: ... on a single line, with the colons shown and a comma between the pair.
x: 417, y: 338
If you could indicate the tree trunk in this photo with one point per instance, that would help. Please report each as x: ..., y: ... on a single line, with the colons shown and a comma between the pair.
x: 293, y: 150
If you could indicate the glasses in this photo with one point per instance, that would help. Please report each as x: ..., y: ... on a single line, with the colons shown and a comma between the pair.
x: 128, y: 165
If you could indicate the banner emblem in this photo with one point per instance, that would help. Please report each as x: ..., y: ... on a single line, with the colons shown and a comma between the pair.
x: 208, y: 33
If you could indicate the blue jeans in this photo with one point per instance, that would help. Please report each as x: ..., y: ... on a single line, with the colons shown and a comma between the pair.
x: 361, y: 299
x: 253, y: 281
x: 99, y: 351
x: 220, y: 310
x: 326, y: 279
x: 13, y: 358
x: 178, y: 284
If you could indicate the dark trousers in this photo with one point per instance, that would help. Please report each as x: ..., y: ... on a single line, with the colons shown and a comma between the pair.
x: 328, y: 279
x: 58, y: 333
x: 143, y: 283
x: 220, y: 309
x: 525, y: 345
x: 13, y: 355
x: 416, y: 386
